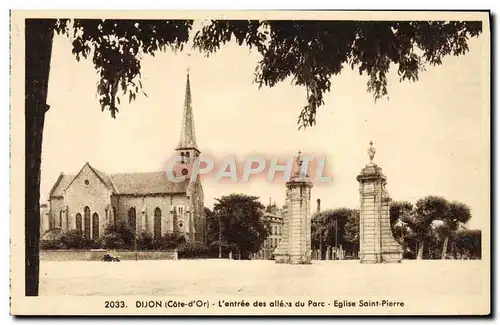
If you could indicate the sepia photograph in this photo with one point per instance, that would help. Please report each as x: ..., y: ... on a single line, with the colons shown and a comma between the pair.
x: 250, y: 163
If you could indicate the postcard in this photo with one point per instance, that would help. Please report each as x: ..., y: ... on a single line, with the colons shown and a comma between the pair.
x: 250, y: 163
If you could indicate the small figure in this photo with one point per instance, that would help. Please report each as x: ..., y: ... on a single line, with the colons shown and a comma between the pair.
x: 371, y: 152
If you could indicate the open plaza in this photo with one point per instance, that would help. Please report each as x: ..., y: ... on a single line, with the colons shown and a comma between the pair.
x: 262, y: 278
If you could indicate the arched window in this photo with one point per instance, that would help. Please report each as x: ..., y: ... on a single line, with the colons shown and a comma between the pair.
x: 131, y: 219
x: 157, y: 224
x: 187, y: 158
x: 86, y: 213
x: 114, y: 216
x: 60, y: 218
x: 182, y: 157
x: 95, y: 226
x: 78, y: 222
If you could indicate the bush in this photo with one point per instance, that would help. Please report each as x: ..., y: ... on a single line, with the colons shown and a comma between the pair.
x: 145, y: 241
x: 196, y: 250
x: 224, y: 247
x: 51, y: 244
x: 122, y: 231
x: 168, y: 241
x: 96, y: 243
x: 113, y: 241
x: 74, y: 239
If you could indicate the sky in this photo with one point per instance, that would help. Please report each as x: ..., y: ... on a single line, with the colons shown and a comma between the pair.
x: 431, y: 137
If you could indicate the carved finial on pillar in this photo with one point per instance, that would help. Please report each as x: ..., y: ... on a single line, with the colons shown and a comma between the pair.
x: 299, y: 159
x: 371, y: 152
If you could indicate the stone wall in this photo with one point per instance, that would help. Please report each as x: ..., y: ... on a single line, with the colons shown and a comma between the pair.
x: 96, y: 255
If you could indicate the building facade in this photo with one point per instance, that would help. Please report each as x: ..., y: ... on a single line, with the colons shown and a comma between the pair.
x: 274, y: 216
x: 148, y: 202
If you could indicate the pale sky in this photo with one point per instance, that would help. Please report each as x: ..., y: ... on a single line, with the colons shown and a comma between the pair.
x: 431, y: 137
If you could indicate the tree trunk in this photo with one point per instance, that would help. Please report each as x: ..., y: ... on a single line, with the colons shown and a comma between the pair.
x: 420, y: 254
x: 445, y: 248
x: 38, y: 45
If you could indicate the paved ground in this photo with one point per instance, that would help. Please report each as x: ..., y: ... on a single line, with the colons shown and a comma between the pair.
x: 258, y: 278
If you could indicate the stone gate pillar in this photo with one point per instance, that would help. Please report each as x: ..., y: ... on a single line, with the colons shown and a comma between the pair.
x: 376, y: 242
x: 295, y: 246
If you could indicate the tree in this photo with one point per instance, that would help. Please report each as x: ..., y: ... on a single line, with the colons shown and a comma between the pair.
x: 212, y: 226
x: 309, y: 52
x: 458, y: 214
x: 398, y: 213
x: 318, y: 230
x: 328, y: 228
x: 242, y: 222
x: 427, y: 210
x: 467, y: 243
x: 352, y: 232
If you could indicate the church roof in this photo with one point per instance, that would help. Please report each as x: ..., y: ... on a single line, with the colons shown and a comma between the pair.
x: 104, y: 177
x: 61, y: 183
x: 146, y: 183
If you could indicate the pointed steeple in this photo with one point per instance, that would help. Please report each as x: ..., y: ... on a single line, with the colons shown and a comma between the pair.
x: 188, y: 137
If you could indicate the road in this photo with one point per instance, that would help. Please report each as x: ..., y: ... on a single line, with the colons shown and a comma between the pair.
x: 257, y: 278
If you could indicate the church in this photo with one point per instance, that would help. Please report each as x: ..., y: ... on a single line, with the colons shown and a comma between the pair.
x: 148, y: 202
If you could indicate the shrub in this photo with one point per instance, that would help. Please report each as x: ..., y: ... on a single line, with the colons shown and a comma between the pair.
x: 120, y: 230
x: 144, y: 241
x: 193, y: 250
x: 74, y: 239
x: 51, y: 244
x: 168, y: 241
x: 113, y: 241
x: 225, y: 249
x: 96, y: 243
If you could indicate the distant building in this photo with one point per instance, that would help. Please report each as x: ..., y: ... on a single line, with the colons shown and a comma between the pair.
x: 44, y: 218
x: 274, y: 216
x: 148, y: 202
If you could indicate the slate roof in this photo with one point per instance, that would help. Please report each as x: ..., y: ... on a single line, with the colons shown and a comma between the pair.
x: 128, y: 183
x: 61, y: 183
x: 146, y: 183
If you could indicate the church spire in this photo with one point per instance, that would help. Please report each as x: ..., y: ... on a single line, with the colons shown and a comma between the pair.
x: 188, y: 137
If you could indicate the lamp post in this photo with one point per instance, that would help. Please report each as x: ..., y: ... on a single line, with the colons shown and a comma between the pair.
x: 336, y: 247
x: 135, y: 243
x: 220, y: 237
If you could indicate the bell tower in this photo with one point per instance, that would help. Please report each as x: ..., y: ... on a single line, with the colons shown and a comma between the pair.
x: 187, y: 147
x: 190, y: 220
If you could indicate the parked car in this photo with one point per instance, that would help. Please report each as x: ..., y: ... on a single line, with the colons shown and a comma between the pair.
x: 109, y: 258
